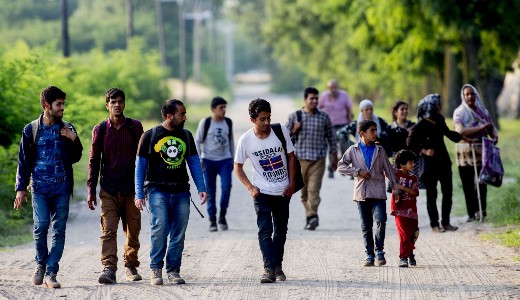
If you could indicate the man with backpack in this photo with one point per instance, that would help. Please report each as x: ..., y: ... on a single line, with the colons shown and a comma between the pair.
x: 48, y: 149
x: 214, y: 140
x: 271, y: 153
x: 311, y: 133
x: 113, y: 151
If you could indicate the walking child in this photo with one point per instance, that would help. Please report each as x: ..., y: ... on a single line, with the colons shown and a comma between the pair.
x: 404, y: 206
x: 368, y: 163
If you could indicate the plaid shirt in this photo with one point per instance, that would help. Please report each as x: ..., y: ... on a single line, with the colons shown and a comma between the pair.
x: 314, y: 136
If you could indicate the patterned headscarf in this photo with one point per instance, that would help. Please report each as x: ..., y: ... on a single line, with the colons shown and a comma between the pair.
x: 468, y: 117
x: 428, y: 107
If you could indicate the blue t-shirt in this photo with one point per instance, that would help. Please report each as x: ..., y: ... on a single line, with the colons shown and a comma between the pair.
x: 368, y: 153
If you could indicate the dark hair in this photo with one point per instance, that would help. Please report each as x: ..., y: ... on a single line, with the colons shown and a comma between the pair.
x: 51, y: 94
x: 365, y: 124
x: 310, y: 90
x: 217, y: 101
x: 396, y: 107
x: 257, y: 106
x: 113, y: 93
x: 403, y: 157
x: 170, y: 107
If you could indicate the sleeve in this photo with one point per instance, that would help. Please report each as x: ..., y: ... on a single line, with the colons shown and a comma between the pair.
x: 241, y: 155
x: 389, y: 170
x: 345, y: 164
x: 330, y: 135
x: 290, y: 122
x: 196, y: 172
x: 452, y: 135
x: 141, y: 164
x: 94, y: 162
x: 25, y: 155
x: 144, y: 144
x: 413, y: 141
x: 198, y: 135
x: 290, y: 145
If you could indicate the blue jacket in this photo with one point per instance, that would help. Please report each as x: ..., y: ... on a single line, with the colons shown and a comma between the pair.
x: 72, y: 152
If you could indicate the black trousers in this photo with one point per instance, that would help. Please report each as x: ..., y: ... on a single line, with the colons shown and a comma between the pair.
x: 467, y: 176
x: 444, y: 176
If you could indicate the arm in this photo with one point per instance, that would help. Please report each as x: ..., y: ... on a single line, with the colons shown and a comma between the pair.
x: 75, y: 150
x: 198, y: 136
x: 345, y: 164
x: 408, y: 190
x: 452, y: 135
x: 387, y: 167
x: 25, y: 157
x: 332, y: 141
x: 239, y: 172
x: 141, y: 164
x: 94, y: 163
x: 289, y: 190
x: 196, y: 172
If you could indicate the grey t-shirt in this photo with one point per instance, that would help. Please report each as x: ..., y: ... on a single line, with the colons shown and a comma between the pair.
x: 217, y: 145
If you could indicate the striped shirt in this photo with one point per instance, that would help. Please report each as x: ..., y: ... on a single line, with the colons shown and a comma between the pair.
x: 315, y: 135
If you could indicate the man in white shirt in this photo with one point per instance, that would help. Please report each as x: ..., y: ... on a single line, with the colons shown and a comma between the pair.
x: 272, y: 184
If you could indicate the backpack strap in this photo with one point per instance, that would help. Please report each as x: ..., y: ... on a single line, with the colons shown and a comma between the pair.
x: 277, y: 128
x: 35, y: 124
x: 230, y: 126
x: 207, y: 123
x: 154, y: 133
x: 130, y: 124
x: 299, y: 115
x: 101, y: 134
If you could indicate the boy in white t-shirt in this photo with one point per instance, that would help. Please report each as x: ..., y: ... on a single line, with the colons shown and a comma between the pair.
x: 272, y: 184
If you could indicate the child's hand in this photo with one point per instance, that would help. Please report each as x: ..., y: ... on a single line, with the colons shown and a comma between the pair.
x: 364, y: 174
x: 397, y: 186
x: 396, y: 200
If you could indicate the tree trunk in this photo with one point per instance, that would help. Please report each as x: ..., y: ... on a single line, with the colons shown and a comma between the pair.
x: 65, y: 28
x: 129, y: 22
x: 492, y: 88
x: 450, y: 93
x: 160, y: 31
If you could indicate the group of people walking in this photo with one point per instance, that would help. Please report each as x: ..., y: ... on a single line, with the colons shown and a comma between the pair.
x: 138, y: 170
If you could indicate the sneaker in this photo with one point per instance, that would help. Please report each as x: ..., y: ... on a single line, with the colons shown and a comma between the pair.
x: 268, y: 276
x: 312, y: 224
x: 331, y: 174
x: 403, y: 263
x: 213, y: 226
x: 369, y: 261
x: 39, y: 273
x: 132, y: 275
x: 450, y: 228
x: 156, y: 277
x: 380, y: 261
x: 470, y: 219
x: 175, y: 277
x: 108, y: 276
x: 437, y: 229
x: 223, y: 223
x: 412, y: 260
x: 280, y: 275
x: 51, y: 282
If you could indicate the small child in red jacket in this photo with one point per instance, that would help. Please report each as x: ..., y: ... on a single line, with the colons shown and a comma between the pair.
x: 404, y: 206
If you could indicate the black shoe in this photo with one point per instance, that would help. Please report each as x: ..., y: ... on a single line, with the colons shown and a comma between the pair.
x: 213, y: 226
x: 312, y: 223
x: 268, y: 276
x: 280, y: 275
x: 450, y: 227
x: 470, y: 219
x: 412, y: 260
x: 223, y: 223
x: 108, y: 276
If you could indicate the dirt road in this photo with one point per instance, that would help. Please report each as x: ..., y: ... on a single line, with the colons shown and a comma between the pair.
x: 324, y: 264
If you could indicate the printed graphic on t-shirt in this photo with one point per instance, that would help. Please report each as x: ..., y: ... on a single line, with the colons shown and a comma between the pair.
x: 172, y: 151
x: 218, y: 138
x: 272, y: 164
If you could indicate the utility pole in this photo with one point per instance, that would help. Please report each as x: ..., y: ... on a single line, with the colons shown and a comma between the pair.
x: 160, y: 30
x: 200, y: 12
x: 182, y: 45
x: 129, y: 22
x: 65, y: 28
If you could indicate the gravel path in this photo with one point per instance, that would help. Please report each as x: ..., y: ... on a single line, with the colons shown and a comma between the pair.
x: 324, y: 264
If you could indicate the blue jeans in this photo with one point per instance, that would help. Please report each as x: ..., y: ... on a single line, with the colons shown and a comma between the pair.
x: 272, y: 214
x: 50, y: 206
x: 170, y: 213
x: 372, y: 210
x: 223, y: 168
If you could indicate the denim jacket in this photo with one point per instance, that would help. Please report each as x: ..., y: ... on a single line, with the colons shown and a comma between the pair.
x: 71, y: 151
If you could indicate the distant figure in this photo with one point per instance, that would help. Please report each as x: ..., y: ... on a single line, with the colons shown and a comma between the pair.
x: 398, y: 131
x: 473, y: 120
x: 112, y: 158
x: 272, y: 184
x: 426, y: 139
x: 164, y: 153
x: 404, y: 206
x: 337, y: 104
x: 314, y: 132
x: 368, y: 163
x: 214, y: 140
x: 48, y: 149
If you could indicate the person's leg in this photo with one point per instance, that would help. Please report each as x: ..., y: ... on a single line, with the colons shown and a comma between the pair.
x: 431, y: 200
x: 365, y: 214
x: 405, y: 229
x: 109, y: 222
x: 160, y: 227
x: 132, y: 228
x: 41, y: 217
x: 265, y: 229
x: 280, y: 220
x: 315, y: 177
x: 305, y: 164
x: 467, y: 178
x: 225, y: 172
x: 447, y: 194
x: 210, y: 173
x: 179, y: 214
x: 59, y: 210
x: 379, y: 212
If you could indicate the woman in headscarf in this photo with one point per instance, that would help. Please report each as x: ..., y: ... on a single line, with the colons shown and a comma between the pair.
x: 426, y: 138
x: 473, y: 120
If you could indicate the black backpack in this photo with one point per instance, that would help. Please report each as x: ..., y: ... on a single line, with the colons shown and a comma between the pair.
x: 277, y: 128
x: 294, y: 136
